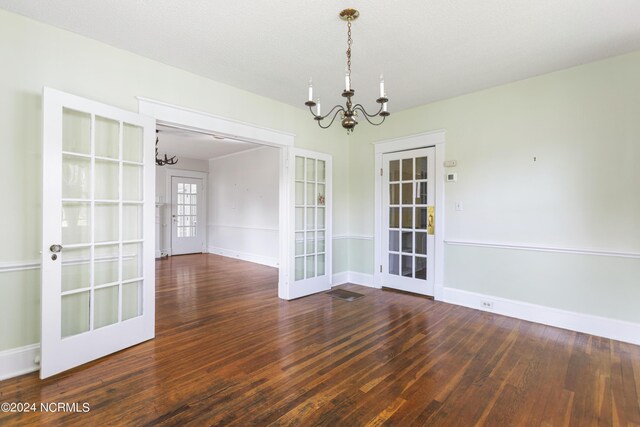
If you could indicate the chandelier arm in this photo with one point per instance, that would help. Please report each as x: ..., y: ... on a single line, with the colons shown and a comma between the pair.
x: 366, y: 116
x: 361, y: 108
x: 333, y: 118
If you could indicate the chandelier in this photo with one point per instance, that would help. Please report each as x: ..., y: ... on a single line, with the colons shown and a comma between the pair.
x: 348, y: 113
x: 166, y: 161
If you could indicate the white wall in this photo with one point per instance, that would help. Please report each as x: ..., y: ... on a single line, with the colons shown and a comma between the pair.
x: 243, y: 205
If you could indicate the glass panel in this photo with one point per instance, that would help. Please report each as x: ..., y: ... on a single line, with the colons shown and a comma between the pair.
x: 186, y: 232
x: 299, y: 193
x: 311, y: 222
x: 187, y: 199
x: 299, y: 244
x: 311, y: 170
x: 75, y: 314
x: 107, y: 180
x: 132, y: 182
x: 299, y: 218
x: 421, y: 218
x: 311, y: 194
x: 131, y: 300
x: 407, y: 169
x: 76, y: 131
x: 421, y: 167
x: 132, y: 143
x: 181, y: 199
x: 394, y: 238
x: 311, y: 242
x: 320, y: 265
x: 407, y: 217
x: 131, y: 222
x: 394, y: 264
x: 75, y: 223
x: 105, y: 311
x: 421, y: 243
x: 106, y: 264
x: 311, y: 266
x: 407, y: 266
x: 394, y: 170
x: 422, y: 196
x: 421, y: 268
x: 321, y: 200
x: 299, y: 168
x: 321, y: 171
x: 299, y: 268
x: 394, y: 217
x: 106, y: 229
x: 180, y: 209
x: 407, y: 241
x: 320, y: 241
x: 320, y: 218
x: 179, y: 232
x: 107, y: 138
x: 131, y: 261
x: 394, y: 194
x: 187, y: 221
x: 76, y: 268
x: 186, y: 210
x: 407, y: 193
x: 76, y: 177
x: 180, y: 187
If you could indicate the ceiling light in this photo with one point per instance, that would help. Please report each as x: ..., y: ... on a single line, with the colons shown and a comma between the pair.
x: 348, y: 113
x: 166, y: 161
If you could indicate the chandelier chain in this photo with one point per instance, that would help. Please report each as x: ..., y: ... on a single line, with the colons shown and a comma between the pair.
x: 349, y: 41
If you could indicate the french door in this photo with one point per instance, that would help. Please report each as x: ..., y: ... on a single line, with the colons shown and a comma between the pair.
x: 408, y: 222
x: 311, y: 229
x: 187, y: 228
x: 98, y: 277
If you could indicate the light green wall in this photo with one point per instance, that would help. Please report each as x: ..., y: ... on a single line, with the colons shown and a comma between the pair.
x: 36, y: 55
x: 583, y: 126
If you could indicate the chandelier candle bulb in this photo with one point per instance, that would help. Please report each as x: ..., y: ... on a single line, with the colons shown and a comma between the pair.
x: 310, y: 90
x: 384, y: 107
x: 318, y: 107
x: 382, y: 94
x: 347, y: 80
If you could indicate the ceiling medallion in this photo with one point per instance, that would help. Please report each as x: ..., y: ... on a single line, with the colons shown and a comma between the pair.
x: 348, y: 113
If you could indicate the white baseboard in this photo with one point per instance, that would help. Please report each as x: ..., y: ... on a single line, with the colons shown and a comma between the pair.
x: 353, y: 277
x: 19, y: 361
x: 595, y: 325
x: 258, y: 259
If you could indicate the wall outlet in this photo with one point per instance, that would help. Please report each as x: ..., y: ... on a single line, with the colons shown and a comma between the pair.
x: 487, y: 305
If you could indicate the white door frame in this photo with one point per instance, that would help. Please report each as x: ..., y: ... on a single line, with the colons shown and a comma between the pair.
x: 181, y: 173
x: 189, y: 119
x: 429, y: 139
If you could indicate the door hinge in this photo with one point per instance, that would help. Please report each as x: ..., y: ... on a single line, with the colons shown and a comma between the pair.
x: 380, y: 268
x: 381, y: 172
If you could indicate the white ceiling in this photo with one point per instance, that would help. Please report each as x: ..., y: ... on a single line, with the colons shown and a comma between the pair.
x: 193, y: 145
x: 428, y: 50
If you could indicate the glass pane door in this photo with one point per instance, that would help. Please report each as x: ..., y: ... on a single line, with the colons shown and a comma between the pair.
x: 311, y: 231
x: 98, y: 275
x: 408, y: 195
x: 187, y: 202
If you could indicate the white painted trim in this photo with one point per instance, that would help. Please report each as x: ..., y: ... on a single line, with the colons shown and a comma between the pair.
x: 353, y: 277
x: 19, y: 361
x: 352, y: 237
x: 242, y: 227
x: 595, y: 325
x: 189, y: 119
x: 410, y: 142
x: 6, y: 267
x: 434, y: 138
x: 237, y: 153
x: 525, y: 247
x: 245, y: 256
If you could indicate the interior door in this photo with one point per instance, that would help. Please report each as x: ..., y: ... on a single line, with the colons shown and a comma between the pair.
x: 408, y: 220
x: 311, y: 231
x: 98, y: 276
x: 187, y: 231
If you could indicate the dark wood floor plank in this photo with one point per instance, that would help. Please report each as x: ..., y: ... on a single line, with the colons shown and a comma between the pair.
x: 229, y: 352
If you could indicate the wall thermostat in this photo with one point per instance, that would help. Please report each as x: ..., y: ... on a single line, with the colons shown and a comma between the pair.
x: 452, y: 176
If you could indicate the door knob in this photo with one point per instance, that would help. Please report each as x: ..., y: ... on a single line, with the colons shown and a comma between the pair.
x: 55, y: 248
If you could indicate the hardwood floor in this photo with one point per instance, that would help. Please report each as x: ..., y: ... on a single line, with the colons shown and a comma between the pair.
x: 229, y: 352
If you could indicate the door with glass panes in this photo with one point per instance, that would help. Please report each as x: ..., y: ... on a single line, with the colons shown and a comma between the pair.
x: 187, y: 231
x: 311, y: 267
x: 98, y: 277
x: 408, y: 220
